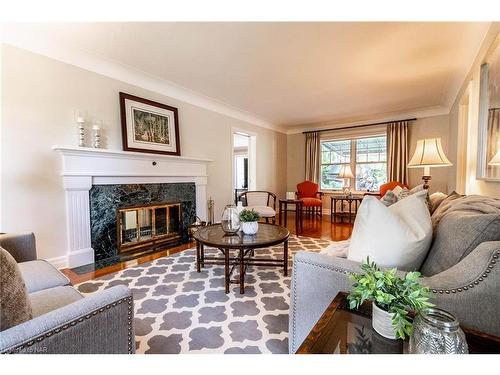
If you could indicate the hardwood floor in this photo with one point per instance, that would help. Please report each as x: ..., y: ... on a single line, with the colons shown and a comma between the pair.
x: 312, y: 227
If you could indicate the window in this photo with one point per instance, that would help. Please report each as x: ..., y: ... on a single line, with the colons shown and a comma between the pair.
x: 366, y: 156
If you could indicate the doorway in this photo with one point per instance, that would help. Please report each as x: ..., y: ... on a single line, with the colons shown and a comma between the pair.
x: 243, y: 162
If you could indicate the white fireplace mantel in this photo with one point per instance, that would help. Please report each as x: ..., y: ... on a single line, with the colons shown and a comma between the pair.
x: 83, y: 167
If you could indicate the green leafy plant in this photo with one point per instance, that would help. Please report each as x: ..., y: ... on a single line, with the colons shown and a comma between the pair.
x: 391, y: 293
x: 249, y: 216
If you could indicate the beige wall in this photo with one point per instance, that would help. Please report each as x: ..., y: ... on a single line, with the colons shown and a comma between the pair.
x: 430, y: 127
x: 39, y: 99
x: 464, y: 140
x: 296, y: 160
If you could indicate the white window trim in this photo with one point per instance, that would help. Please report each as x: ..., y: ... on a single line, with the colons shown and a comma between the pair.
x: 353, y: 137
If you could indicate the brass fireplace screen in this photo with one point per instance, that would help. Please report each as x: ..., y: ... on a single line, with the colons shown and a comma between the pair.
x: 148, y: 226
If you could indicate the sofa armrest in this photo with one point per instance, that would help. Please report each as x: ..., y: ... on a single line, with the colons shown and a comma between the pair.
x: 21, y: 246
x: 316, y: 280
x: 98, y: 324
x: 469, y: 289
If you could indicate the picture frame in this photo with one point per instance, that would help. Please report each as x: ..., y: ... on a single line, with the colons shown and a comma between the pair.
x: 149, y: 126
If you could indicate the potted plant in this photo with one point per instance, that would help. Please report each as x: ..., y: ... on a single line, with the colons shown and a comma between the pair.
x: 391, y: 298
x: 249, y: 221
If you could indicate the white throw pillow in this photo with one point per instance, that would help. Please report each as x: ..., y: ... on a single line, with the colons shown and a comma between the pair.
x: 396, y: 236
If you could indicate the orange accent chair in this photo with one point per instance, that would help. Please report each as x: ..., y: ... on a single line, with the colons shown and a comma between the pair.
x: 386, y: 187
x: 308, y: 192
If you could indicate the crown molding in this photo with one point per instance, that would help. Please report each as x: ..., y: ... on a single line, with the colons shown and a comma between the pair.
x: 28, y: 40
x: 392, y: 116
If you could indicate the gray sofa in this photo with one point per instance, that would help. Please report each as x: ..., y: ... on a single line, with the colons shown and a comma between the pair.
x: 461, y: 270
x: 63, y: 320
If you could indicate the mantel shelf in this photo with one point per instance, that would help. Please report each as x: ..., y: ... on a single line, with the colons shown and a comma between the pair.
x: 101, y: 152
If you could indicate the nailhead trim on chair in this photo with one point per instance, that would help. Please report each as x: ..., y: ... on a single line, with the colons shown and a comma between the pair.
x: 475, y: 282
x: 73, y: 323
x: 440, y: 291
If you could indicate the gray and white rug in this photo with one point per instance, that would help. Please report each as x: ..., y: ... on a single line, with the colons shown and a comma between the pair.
x: 178, y: 310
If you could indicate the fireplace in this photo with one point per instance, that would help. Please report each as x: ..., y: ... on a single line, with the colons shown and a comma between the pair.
x: 127, y: 220
x: 149, y: 226
x: 126, y: 179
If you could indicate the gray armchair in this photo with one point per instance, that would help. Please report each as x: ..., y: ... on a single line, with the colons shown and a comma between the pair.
x: 63, y: 320
x: 469, y: 289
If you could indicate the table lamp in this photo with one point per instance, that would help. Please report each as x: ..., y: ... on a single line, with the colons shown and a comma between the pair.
x: 345, y: 173
x: 496, y: 159
x: 428, y: 153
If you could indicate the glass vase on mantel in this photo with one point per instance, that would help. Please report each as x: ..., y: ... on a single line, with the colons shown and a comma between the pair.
x: 436, y: 331
x: 230, y: 220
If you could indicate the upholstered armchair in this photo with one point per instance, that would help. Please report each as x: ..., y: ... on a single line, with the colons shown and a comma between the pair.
x: 263, y: 202
x: 308, y: 192
x: 62, y: 320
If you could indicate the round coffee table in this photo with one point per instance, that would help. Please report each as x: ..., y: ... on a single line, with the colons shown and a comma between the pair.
x: 244, y: 246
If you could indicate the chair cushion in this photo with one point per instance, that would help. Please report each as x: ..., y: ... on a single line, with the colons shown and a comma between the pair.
x: 47, y: 300
x: 311, y: 202
x: 263, y: 211
x: 397, y: 236
x: 15, y: 307
x: 457, y: 234
x: 39, y: 275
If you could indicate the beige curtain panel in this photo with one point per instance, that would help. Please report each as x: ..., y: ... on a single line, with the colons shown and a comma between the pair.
x: 312, y: 156
x: 397, y: 150
x: 493, y: 141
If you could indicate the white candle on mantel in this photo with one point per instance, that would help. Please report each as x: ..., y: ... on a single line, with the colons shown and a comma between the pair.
x: 80, y: 120
x: 96, y: 127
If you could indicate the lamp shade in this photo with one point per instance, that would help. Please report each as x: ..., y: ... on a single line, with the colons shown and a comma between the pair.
x: 429, y: 153
x: 496, y: 159
x: 345, y: 171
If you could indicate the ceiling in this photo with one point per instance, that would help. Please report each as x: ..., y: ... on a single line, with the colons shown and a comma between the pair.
x: 291, y: 75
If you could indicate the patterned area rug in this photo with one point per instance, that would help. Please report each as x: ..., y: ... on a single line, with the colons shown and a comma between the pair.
x: 178, y: 310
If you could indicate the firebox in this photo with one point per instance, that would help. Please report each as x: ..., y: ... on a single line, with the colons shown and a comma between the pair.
x: 147, y: 226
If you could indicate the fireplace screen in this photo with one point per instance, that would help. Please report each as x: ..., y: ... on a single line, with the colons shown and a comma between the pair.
x: 146, y: 226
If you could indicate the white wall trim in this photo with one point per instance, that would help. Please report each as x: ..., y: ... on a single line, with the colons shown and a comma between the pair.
x: 417, y: 113
x: 84, y: 167
x: 28, y: 40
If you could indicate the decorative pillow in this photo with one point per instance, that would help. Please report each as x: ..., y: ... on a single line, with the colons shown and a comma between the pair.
x: 405, y: 192
x: 389, y: 198
x: 15, y: 306
x: 396, y: 236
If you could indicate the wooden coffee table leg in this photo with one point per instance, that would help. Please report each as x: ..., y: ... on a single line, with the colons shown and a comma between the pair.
x: 226, y: 269
x: 202, y: 255
x: 198, y: 255
x: 285, y: 258
x: 242, y: 271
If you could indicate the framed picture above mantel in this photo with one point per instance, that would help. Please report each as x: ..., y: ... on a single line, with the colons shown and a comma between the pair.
x: 149, y: 126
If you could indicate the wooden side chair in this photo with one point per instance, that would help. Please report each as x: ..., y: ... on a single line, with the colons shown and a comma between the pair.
x: 263, y: 202
x: 308, y: 192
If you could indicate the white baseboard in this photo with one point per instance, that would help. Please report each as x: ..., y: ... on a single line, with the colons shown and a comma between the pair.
x: 59, y: 262
x: 80, y: 257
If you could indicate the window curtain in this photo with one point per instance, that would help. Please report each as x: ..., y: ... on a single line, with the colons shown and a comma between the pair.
x: 493, y: 140
x: 312, y: 156
x: 397, y: 151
